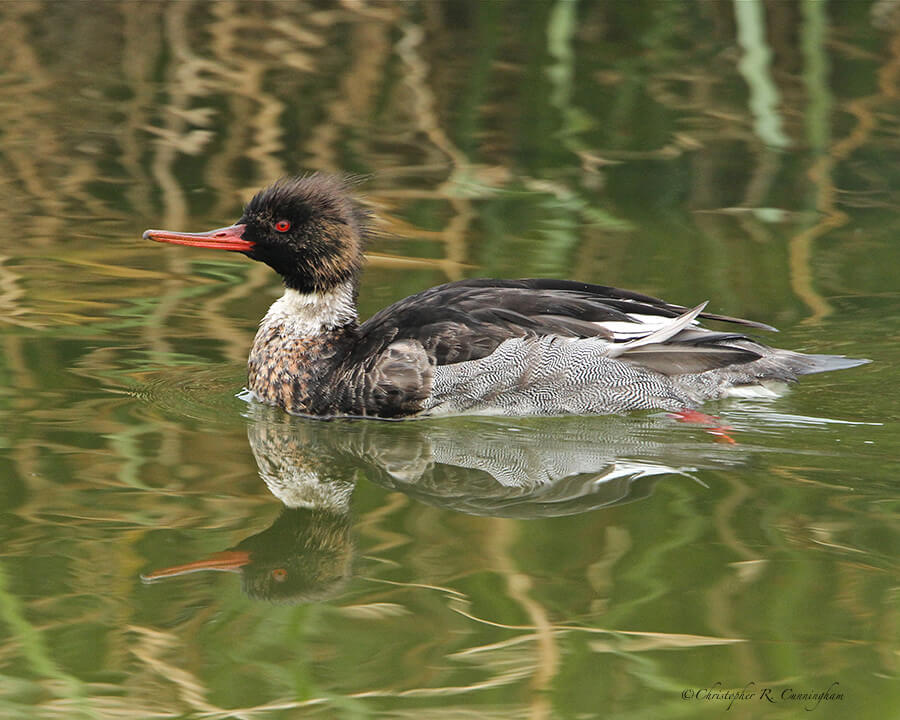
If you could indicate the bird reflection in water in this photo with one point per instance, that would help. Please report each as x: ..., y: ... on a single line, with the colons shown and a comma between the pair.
x: 480, y: 466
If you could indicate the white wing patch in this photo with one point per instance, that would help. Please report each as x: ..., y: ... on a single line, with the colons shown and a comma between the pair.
x: 645, y: 326
x: 642, y: 325
x: 672, y: 327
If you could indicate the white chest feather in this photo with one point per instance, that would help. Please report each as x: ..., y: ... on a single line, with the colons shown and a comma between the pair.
x: 310, y: 314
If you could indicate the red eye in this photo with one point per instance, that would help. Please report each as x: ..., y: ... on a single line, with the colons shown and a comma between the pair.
x: 283, y: 225
x: 279, y: 574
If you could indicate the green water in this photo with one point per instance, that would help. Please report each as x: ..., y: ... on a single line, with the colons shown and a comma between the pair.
x: 615, y: 567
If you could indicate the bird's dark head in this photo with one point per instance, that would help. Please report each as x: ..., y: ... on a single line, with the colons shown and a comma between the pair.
x: 306, y: 555
x: 309, y: 229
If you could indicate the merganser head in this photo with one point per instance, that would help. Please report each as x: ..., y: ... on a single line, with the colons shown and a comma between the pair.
x: 306, y: 555
x: 308, y: 229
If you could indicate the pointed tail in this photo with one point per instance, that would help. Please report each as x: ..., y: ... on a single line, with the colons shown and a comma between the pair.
x: 803, y: 364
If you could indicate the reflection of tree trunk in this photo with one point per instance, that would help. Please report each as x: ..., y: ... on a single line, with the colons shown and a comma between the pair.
x: 23, y: 131
x: 724, y: 597
x: 426, y: 116
x: 352, y: 105
x: 519, y: 585
x: 818, y: 122
x: 755, y: 67
x: 140, y: 50
x: 757, y: 193
x: 703, y: 187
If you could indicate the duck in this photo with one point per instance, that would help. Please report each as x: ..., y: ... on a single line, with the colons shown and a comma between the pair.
x: 481, y: 346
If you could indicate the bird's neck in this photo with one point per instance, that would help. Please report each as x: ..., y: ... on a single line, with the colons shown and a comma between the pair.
x: 300, y: 345
x: 311, y: 314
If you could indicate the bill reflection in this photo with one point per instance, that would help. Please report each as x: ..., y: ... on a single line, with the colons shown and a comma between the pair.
x: 484, y: 466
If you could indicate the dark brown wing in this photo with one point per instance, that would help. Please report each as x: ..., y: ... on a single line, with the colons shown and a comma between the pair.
x: 399, y: 380
x: 467, y: 320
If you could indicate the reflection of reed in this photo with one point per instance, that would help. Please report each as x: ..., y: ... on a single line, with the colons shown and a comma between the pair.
x: 425, y: 109
x: 724, y: 597
x: 519, y: 585
x: 11, y: 296
x: 28, y: 172
x: 356, y: 92
x: 221, y: 101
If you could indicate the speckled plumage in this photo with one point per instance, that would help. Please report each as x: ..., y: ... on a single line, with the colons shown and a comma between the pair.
x: 309, y: 369
x: 514, y: 347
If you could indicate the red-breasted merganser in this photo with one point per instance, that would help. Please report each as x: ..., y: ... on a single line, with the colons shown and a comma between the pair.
x: 498, y: 347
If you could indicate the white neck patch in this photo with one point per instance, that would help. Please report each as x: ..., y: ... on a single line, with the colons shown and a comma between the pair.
x: 298, y: 487
x: 307, y: 314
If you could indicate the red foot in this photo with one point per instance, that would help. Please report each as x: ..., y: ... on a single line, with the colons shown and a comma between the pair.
x: 716, y: 428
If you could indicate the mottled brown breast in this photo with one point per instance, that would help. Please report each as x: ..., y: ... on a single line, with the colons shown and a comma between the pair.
x: 294, y: 372
x: 320, y: 375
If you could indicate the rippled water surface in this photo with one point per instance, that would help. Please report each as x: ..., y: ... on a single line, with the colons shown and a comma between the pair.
x: 635, y: 566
